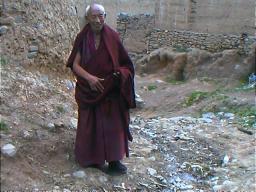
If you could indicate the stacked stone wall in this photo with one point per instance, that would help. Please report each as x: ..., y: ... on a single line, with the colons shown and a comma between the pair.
x: 203, y: 41
x: 153, y: 38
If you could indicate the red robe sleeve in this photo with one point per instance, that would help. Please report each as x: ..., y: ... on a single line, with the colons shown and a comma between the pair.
x: 76, y: 46
x: 126, y: 70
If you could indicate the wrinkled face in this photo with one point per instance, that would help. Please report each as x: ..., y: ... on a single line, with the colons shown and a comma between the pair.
x: 96, y: 18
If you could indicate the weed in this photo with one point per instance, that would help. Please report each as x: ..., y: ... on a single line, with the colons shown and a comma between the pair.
x: 195, y: 97
x: 152, y: 87
x: 3, y: 126
x: 3, y: 61
x: 60, y: 109
x: 180, y: 48
x: 246, y: 113
x: 169, y: 79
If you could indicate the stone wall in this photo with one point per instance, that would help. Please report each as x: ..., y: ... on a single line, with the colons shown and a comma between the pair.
x: 38, y: 32
x: 142, y: 30
x: 134, y: 30
x: 204, y: 41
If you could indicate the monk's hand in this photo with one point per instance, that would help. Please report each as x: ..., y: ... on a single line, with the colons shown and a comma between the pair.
x: 95, y: 83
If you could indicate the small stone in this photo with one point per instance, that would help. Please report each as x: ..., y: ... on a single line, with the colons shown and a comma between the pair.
x: 217, y: 188
x: 56, y: 187
x: 33, y: 48
x: 73, y: 123
x: 79, y: 174
x: 70, y: 85
x: 159, y: 81
x: 31, y: 55
x: 66, y: 190
x: 151, y: 171
x: 206, y: 120
x: 186, y: 187
x: 46, y: 172
x: 67, y: 175
x: 26, y: 134
x: 44, y: 78
x: 152, y: 158
x: 18, y: 19
x: 51, y: 126
x: 209, y: 115
x: 228, y: 183
x: 103, y: 179
x: 178, y: 179
x: 225, y: 160
x: 59, y: 124
x: 139, y: 101
x: 3, y: 29
x: 8, y: 150
x: 229, y: 116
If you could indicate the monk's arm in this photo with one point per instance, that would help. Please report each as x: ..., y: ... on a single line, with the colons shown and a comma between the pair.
x: 94, y: 82
x: 125, y: 60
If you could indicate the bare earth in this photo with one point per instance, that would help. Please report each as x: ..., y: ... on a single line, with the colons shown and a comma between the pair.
x: 162, y: 158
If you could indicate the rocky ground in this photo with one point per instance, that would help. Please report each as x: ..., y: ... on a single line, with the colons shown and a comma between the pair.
x: 197, y: 135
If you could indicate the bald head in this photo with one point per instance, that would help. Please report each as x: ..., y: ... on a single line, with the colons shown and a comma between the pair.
x: 95, y: 15
x: 95, y: 9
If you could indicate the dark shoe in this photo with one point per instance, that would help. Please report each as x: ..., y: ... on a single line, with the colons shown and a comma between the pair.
x: 116, y: 167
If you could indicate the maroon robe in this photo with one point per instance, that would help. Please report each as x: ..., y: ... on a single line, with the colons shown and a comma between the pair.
x: 103, y: 118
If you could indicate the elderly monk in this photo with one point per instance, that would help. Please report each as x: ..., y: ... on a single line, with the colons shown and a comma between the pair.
x: 104, y: 93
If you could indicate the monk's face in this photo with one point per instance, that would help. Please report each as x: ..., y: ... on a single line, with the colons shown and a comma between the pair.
x: 96, y: 18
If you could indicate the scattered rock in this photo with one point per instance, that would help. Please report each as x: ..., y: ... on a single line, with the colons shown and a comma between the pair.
x: 151, y: 171
x: 3, y: 29
x: 9, y: 150
x: 31, y: 55
x: 225, y: 160
x: 70, y: 85
x: 159, y: 81
x: 79, y: 174
x: 67, y: 175
x: 51, y: 126
x: 206, y: 120
x: 103, y: 179
x: 26, y: 134
x: 229, y: 116
x: 73, y: 123
x: 33, y: 48
x: 139, y: 101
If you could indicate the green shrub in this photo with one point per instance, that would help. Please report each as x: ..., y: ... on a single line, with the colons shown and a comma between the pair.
x: 60, y: 109
x: 180, y: 48
x: 195, y: 97
x: 3, y: 61
x: 3, y: 126
x: 170, y: 79
x: 152, y: 87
